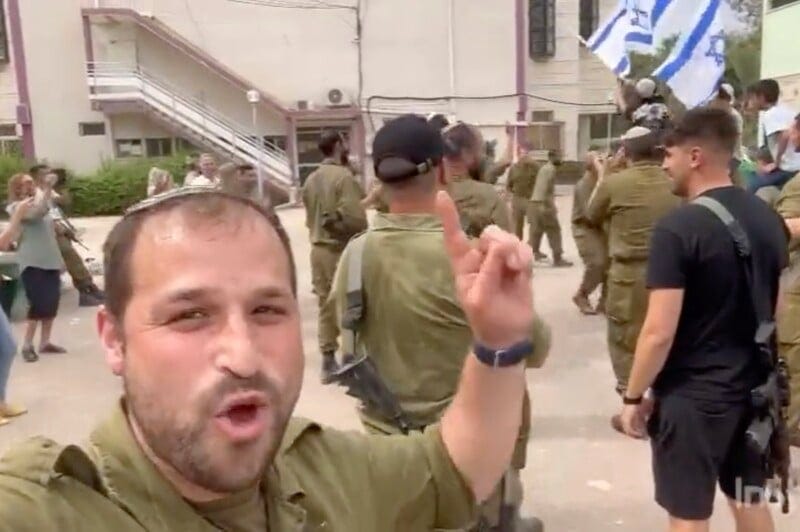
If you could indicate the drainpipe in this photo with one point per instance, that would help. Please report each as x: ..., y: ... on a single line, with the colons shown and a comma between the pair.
x: 522, y: 61
x: 24, y: 115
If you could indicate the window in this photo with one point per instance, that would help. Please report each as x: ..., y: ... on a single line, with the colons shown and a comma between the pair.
x: 781, y: 3
x: 544, y: 137
x: 129, y: 147
x: 598, y: 126
x: 11, y: 147
x: 158, y: 147
x: 542, y: 116
x: 542, y: 33
x: 8, y: 130
x: 90, y: 129
x: 184, y: 146
x: 4, y: 55
x: 589, y: 16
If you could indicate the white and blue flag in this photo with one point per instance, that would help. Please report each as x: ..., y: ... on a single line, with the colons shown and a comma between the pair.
x: 697, y: 63
x: 608, y: 42
x: 646, y: 22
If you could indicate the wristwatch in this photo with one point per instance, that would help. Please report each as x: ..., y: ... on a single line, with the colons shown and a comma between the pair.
x: 503, y: 358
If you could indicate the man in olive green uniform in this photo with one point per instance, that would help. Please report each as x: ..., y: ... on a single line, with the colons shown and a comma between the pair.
x: 332, y: 198
x: 521, y: 178
x: 542, y: 212
x: 479, y: 204
x: 590, y: 241
x: 788, y: 206
x: 208, y: 343
x: 630, y: 202
x: 413, y: 328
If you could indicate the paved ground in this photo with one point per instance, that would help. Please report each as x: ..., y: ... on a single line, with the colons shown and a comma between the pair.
x: 581, y: 476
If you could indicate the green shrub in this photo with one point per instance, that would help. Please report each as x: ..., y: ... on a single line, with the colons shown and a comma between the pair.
x: 118, y: 184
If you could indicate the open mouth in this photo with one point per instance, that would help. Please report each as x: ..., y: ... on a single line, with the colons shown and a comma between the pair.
x: 243, y: 418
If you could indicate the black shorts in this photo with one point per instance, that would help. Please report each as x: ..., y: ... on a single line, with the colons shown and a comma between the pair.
x: 697, y: 444
x: 43, y: 290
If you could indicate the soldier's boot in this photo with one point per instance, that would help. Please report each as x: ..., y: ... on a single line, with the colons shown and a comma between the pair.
x: 329, y: 368
x: 561, y: 262
x: 583, y: 304
x: 538, y: 256
x: 88, y: 298
x: 530, y: 524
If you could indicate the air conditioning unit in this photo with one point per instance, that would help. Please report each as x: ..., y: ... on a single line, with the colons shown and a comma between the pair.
x: 337, y: 98
x: 305, y: 105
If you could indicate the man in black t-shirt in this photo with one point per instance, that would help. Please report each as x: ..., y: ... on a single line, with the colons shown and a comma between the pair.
x: 696, y: 349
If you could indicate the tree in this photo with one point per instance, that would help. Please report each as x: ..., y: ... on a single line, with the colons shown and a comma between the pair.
x: 750, y: 11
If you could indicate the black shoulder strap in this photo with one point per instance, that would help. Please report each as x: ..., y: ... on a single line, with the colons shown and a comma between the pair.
x: 761, y: 306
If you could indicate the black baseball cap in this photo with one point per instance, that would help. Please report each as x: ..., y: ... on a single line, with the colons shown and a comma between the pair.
x: 406, y: 147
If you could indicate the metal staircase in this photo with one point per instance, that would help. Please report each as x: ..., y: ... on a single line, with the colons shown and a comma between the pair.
x: 117, y: 83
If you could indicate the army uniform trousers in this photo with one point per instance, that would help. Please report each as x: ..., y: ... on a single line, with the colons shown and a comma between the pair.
x: 543, y: 220
x: 81, y: 278
x: 789, y: 348
x: 519, y: 211
x: 626, y: 306
x: 592, y: 249
x: 490, y: 510
x: 324, y: 259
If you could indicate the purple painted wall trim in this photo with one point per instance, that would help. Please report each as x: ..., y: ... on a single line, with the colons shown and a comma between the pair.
x: 21, y: 71
x: 522, y: 60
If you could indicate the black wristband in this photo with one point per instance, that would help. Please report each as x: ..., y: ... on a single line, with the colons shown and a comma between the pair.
x: 503, y: 358
x: 632, y: 401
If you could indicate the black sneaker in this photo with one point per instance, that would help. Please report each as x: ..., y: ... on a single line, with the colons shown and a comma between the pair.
x: 29, y: 354
x: 329, y: 369
x: 86, y: 299
x: 560, y: 262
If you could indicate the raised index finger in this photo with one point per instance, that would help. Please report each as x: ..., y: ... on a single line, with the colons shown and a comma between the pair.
x: 455, y: 240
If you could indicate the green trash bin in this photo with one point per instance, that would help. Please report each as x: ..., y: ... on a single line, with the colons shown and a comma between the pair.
x: 12, y: 294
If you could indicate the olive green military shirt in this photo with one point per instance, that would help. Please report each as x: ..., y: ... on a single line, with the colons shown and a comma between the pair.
x: 580, y: 199
x: 631, y: 202
x: 321, y: 480
x: 332, y: 198
x: 492, y: 170
x: 544, y: 189
x: 413, y: 326
x: 521, y: 178
x: 479, y: 205
x: 788, y: 206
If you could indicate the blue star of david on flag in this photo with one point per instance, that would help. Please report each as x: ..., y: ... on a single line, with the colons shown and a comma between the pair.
x: 716, y: 48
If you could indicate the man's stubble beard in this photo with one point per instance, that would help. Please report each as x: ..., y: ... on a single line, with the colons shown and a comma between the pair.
x: 191, y: 448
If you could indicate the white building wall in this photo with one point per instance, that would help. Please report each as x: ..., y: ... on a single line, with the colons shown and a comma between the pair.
x: 53, y: 38
x: 8, y: 84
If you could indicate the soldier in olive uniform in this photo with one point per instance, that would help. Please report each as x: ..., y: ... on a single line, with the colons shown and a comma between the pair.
x: 208, y: 343
x: 630, y: 202
x: 332, y: 198
x: 542, y: 212
x: 521, y: 178
x: 590, y: 241
x: 479, y: 204
x: 788, y: 206
x: 413, y: 328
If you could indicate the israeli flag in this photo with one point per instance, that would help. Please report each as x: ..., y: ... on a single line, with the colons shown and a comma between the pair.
x: 645, y: 18
x: 608, y: 42
x: 697, y: 63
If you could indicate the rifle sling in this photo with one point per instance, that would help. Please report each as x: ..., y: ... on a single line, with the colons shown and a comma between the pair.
x: 764, y: 317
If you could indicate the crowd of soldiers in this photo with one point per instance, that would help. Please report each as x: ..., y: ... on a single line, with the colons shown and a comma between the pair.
x: 411, y: 310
